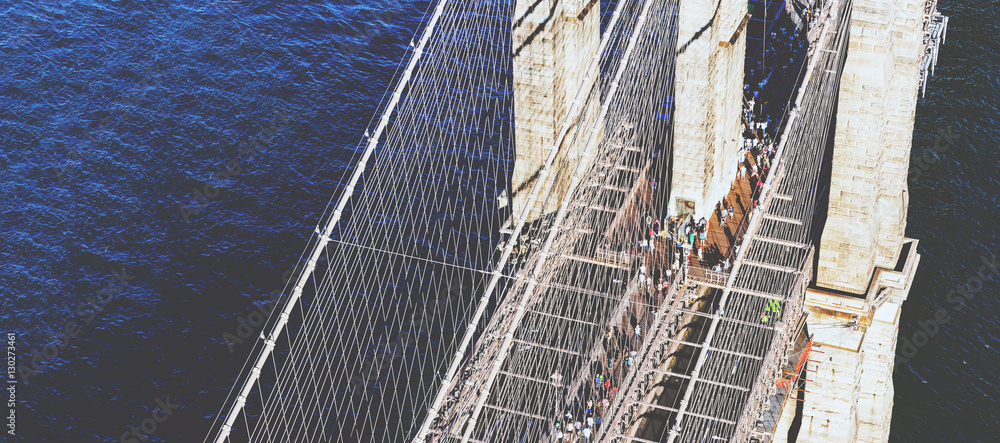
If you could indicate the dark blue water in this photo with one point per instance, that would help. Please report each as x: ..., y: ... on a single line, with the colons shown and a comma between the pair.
x: 189, y: 147
x: 114, y: 117
x: 950, y: 391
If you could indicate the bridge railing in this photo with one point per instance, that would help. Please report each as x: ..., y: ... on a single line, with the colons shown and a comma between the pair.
x: 786, y: 330
x: 619, y: 258
x: 704, y: 275
x: 651, y: 352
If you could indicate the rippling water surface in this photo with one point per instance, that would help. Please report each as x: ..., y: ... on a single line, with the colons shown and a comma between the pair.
x: 193, y: 144
x: 950, y: 391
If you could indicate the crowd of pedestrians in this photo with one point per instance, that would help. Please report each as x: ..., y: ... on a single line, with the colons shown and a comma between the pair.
x: 663, y: 249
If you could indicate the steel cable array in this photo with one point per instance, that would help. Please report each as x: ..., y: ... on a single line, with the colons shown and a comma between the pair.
x: 405, y: 323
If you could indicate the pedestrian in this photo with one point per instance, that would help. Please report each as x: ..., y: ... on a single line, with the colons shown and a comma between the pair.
x: 638, y: 331
x: 722, y: 216
x: 703, y: 235
x: 586, y: 434
x: 732, y: 211
x: 590, y: 421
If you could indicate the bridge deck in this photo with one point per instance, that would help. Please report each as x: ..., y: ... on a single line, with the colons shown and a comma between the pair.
x: 720, y: 238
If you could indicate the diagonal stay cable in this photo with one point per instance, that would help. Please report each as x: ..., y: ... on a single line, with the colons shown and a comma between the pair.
x: 325, y: 235
x: 529, y: 291
x: 771, y: 179
x: 569, y: 121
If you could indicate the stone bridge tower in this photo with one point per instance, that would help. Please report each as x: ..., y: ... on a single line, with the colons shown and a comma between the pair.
x: 711, y: 46
x: 866, y: 265
x: 553, y: 43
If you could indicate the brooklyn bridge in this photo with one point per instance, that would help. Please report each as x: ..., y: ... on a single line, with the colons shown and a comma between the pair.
x: 637, y: 220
